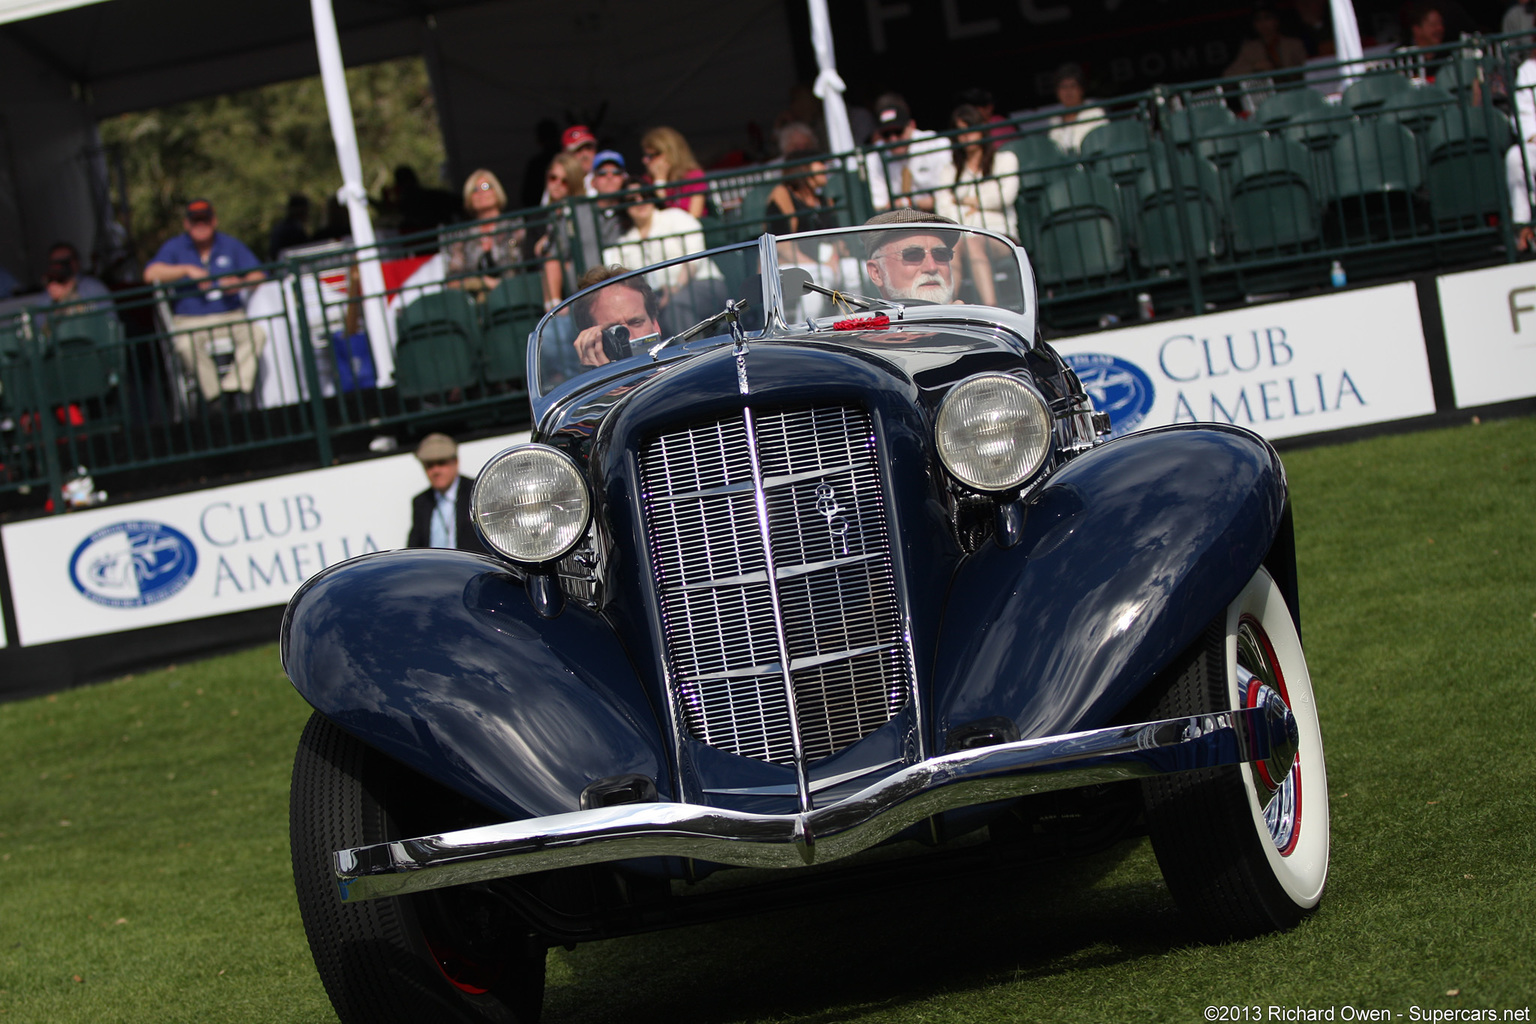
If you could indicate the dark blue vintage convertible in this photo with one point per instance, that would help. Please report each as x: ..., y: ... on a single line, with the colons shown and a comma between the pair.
x: 817, y: 548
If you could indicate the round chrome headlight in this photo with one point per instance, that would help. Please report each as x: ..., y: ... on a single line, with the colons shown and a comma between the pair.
x: 531, y: 503
x: 994, y: 432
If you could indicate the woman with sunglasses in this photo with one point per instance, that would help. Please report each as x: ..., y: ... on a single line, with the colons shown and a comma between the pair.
x: 671, y: 164
x: 478, y: 255
x: 564, y: 178
x: 982, y: 183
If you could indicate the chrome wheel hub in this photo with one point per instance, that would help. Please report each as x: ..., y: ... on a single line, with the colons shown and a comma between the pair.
x: 1277, y: 778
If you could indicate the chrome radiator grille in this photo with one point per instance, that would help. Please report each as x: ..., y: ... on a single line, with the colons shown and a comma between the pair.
x: 832, y: 587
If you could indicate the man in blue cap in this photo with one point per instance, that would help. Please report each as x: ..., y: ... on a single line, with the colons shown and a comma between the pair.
x: 609, y: 177
x: 209, y: 271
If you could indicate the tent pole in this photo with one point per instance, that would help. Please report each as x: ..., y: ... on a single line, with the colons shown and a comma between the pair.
x: 1346, y: 40
x: 344, y: 133
x: 829, y: 86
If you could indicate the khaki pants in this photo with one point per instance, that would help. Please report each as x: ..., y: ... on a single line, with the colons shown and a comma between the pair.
x: 198, y: 338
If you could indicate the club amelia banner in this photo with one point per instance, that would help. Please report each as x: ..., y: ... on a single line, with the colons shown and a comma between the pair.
x: 1490, y: 333
x: 1282, y: 370
x: 207, y: 553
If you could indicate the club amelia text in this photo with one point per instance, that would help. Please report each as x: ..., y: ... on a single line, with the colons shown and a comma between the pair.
x: 271, y: 526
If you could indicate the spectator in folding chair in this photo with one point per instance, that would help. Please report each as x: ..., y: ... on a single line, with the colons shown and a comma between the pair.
x: 209, y: 272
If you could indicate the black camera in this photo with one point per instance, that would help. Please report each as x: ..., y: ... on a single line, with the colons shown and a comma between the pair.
x: 616, y: 343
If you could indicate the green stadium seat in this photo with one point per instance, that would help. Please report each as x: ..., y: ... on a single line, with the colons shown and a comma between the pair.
x: 1079, y: 234
x: 1416, y: 109
x: 1461, y: 76
x: 512, y: 310
x: 720, y: 228
x: 1299, y: 104
x: 1121, y: 149
x: 1376, y: 181
x: 1193, y: 122
x: 1370, y: 92
x: 1035, y: 150
x: 84, y: 360
x: 1197, y: 195
x: 850, y: 197
x: 1272, y: 205
x: 1040, y: 163
x: 1319, y: 134
x: 437, y: 340
x: 1464, y: 157
x: 751, y: 216
x: 1220, y: 144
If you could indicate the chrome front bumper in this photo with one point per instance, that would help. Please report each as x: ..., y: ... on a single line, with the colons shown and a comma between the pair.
x: 823, y: 834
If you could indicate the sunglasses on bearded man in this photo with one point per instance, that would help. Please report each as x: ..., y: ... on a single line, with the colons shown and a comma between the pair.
x: 913, y: 254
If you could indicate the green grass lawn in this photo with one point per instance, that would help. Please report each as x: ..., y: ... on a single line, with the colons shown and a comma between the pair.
x: 144, y: 862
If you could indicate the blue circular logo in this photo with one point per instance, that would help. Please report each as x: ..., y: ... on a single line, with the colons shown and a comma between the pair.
x: 127, y: 565
x: 1117, y: 386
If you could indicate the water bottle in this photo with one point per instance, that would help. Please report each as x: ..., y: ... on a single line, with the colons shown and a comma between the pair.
x: 1144, y: 305
x: 1336, y: 275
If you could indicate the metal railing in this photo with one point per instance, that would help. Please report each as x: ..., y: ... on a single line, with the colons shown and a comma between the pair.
x: 1182, y: 199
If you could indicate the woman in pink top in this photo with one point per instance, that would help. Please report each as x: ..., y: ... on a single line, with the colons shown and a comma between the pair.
x: 672, y: 166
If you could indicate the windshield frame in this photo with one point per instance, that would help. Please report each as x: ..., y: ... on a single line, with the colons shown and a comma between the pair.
x: 544, y: 399
x: 776, y: 322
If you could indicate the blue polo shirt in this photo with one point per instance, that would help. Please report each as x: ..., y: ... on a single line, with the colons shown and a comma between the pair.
x: 227, y: 256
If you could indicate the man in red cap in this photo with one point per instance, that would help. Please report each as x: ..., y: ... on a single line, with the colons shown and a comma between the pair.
x: 209, y: 272
x: 579, y: 141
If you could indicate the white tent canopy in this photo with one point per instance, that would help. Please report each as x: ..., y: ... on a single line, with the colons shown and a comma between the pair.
x: 21, y: 10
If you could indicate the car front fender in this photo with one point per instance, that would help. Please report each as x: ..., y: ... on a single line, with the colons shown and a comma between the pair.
x: 438, y: 659
x: 1125, y: 556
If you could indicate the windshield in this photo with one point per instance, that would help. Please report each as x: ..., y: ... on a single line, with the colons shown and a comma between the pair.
x: 818, y: 278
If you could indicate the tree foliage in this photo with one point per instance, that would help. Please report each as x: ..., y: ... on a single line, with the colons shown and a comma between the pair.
x: 248, y: 152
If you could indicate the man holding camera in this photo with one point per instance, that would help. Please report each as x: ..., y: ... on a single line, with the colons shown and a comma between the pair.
x: 66, y: 291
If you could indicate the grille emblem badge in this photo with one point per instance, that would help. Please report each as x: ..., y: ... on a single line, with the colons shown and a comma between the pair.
x: 826, y: 504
